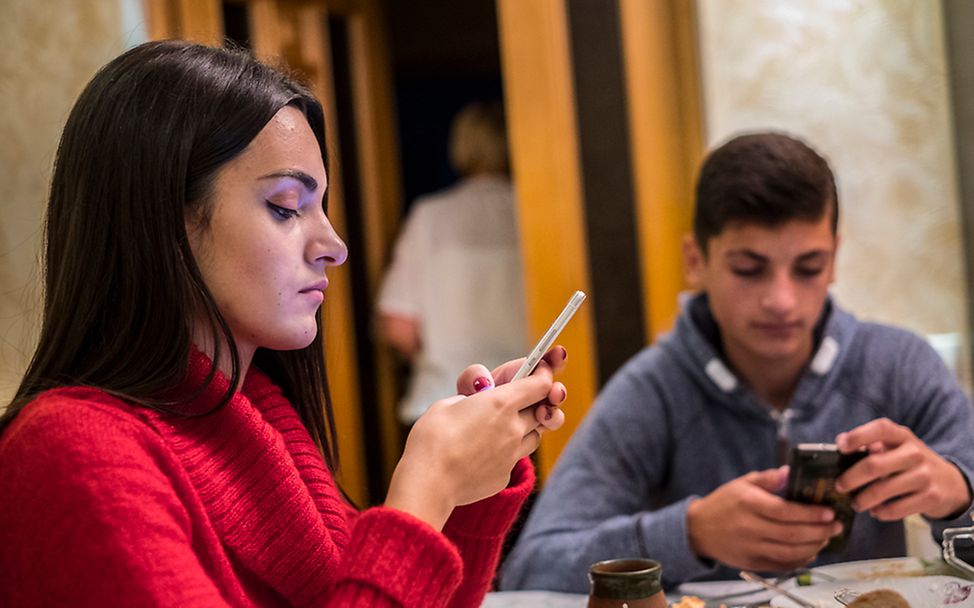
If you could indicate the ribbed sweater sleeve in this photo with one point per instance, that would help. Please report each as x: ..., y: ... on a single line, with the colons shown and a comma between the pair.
x: 392, y: 558
x: 385, y: 557
x: 479, y: 529
x: 395, y: 559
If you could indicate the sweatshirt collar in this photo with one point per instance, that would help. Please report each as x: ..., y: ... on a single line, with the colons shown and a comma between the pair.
x: 700, y: 333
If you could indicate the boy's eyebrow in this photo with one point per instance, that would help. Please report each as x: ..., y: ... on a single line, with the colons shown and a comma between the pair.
x: 757, y: 257
x: 306, y: 180
x: 815, y: 253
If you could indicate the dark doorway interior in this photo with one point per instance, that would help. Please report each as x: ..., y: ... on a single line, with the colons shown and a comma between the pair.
x: 444, y: 54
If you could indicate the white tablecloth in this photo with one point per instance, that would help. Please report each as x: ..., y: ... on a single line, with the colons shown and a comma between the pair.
x: 534, y: 599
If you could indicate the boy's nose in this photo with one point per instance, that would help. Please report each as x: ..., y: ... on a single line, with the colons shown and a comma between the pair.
x: 780, y: 296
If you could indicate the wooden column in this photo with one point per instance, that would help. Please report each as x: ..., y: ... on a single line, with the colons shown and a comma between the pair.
x: 666, y: 138
x: 197, y: 20
x: 378, y: 160
x: 535, y: 59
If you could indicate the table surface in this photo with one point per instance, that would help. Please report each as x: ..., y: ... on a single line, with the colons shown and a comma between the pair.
x: 853, y: 573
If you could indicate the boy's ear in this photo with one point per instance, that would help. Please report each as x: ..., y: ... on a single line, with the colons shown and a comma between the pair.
x: 693, y: 262
x: 835, y: 258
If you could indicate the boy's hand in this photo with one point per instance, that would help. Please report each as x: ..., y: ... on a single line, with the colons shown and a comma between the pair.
x: 743, y: 524
x: 901, y: 476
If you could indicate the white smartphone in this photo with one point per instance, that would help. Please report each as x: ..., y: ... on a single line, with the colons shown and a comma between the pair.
x: 550, y: 336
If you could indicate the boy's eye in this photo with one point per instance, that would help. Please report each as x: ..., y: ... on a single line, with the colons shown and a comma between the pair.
x: 747, y: 272
x: 803, y: 271
x: 282, y: 213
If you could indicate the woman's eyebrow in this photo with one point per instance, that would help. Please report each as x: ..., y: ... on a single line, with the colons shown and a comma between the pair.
x: 306, y: 180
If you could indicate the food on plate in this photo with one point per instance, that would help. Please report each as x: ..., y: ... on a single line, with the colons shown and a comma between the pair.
x: 897, y: 569
x: 879, y: 598
x: 689, y: 601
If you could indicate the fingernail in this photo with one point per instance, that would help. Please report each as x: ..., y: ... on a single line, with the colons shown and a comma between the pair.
x: 828, y: 516
x: 481, y: 384
x: 836, y: 529
x: 564, y: 393
x: 548, y: 414
x: 564, y: 353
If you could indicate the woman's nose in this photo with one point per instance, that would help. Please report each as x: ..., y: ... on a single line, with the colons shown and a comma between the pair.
x: 327, y: 247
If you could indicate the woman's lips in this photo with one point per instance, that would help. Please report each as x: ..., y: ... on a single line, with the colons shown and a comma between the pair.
x: 319, y: 286
x: 315, y: 294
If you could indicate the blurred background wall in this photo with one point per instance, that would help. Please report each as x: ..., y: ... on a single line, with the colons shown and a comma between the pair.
x: 51, y: 49
x: 867, y: 84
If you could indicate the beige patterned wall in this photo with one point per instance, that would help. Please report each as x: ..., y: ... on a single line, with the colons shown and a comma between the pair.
x: 864, y: 81
x: 51, y: 49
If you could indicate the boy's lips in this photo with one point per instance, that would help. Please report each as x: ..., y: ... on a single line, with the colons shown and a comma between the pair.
x: 778, y: 328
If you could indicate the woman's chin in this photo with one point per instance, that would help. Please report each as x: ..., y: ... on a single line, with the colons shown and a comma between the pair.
x: 294, y: 341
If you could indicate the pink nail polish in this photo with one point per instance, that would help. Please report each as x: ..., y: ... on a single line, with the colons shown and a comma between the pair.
x: 481, y: 384
x: 564, y: 393
x: 548, y: 414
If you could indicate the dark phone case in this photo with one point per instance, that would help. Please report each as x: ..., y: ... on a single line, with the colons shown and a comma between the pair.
x: 811, y: 480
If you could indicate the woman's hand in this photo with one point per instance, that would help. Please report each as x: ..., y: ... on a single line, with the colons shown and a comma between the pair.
x: 463, y: 448
x: 547, y: 413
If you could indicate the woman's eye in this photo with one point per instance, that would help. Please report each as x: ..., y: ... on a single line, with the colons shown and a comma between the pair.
x: 282, y: 213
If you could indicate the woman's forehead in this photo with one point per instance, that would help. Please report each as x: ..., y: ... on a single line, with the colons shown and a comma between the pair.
x: 285, y: 144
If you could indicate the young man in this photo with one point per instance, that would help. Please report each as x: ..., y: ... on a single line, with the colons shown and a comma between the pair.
x: 680, y: 458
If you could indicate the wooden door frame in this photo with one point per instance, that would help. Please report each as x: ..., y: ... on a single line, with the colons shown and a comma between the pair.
x: 665, y: 127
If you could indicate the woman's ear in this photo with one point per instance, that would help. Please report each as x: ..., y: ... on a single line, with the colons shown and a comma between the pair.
x: 693, y: 262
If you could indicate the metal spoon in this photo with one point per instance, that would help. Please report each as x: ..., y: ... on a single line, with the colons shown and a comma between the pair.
x: 845, y: 596
x: 719, y: 598
x: 755, y: 578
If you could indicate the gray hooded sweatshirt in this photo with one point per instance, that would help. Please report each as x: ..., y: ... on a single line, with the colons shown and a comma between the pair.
x: 674, y: 423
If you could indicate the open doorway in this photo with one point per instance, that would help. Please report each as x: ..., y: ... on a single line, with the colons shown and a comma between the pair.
x: 443, y: 54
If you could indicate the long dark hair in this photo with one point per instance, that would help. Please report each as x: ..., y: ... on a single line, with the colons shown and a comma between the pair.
x: 139, y: 152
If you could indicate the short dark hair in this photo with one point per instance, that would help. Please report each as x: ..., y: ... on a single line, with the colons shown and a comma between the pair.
x: 140, y: 152
x: 762, y: 178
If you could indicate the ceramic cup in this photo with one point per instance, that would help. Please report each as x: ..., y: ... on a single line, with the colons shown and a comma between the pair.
x: 626, y: 583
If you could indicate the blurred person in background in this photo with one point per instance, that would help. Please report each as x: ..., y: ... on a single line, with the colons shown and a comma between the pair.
x: 454, y: 291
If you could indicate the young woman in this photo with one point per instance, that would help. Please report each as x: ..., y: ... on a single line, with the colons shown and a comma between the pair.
x: 171, y: 442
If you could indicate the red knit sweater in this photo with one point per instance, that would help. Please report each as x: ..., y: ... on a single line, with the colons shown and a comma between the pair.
x: 106, y: 504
